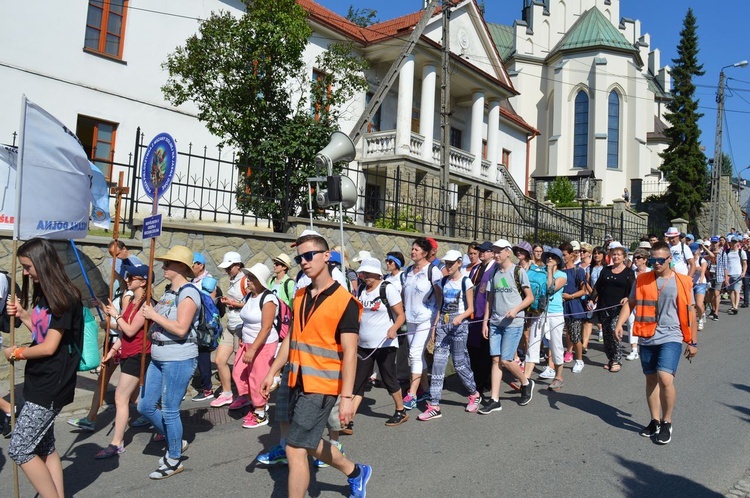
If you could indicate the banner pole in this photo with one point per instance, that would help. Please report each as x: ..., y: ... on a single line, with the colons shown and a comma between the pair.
x: 149, y: 283
x: 13, y: 298
x: 85, y: 276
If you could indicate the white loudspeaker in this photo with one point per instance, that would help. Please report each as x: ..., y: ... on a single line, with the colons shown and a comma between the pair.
x: 340, y: 189
x: 339, y: 148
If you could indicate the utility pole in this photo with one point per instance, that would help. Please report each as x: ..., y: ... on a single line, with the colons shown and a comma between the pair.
x: 445, y: 122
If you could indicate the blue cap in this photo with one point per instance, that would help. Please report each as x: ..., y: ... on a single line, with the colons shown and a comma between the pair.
x: 199, y: 258
x: 695, y: 247
x: 136, y: 271
x: 335, y: 257
x: 690, y: 236
x: 715, y: 238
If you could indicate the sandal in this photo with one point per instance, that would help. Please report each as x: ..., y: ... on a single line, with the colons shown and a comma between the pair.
x: 607, y: 366
x: 615, y: 367
x: 110, y: 451
x: 165, y: 470
x: 556, y: 385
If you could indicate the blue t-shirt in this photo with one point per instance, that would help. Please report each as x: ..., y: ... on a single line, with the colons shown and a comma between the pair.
x: 555, y: 304
x: 573, y: 307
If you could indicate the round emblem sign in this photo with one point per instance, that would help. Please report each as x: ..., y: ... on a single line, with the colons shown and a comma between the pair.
x: 159, y: 164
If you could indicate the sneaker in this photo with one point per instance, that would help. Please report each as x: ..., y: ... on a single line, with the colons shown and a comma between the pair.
x: 253, y: 420
x: 203, y: 395
x: 5, y: 424
x: 423, y: 396
x: 240, y: 402
x: 491, y: 406
x: 701, y: 322
x: 473, y: 404
x: 714, y: 317
x: 321, y: 464
x: 222, y: 399
x: 348, y: 429
x: 141, y: 421
x: 398, y: 418
x: 732, y: 311
x: 665, y: 433
x: 632, y: 356
x: 578, y: 367
x: 165, y: 470
x: 431, y: 413
x: 601, y: 337
x: 568, y: 357
x: 548, y: 373
x: 83, y: 424
x: 527, y: 392
x: 110, y: 451
x: 651, y: 429
x: 410, y: 402
x: 358, y: 485
x: 276, y: 456
x: 556, y: 385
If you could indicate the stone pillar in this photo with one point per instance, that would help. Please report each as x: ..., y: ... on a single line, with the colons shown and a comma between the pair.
x: 404, y: 108
x: 477, y: 129
x: 680, y: 224
x: 493, y: 134
x: 427, y: 109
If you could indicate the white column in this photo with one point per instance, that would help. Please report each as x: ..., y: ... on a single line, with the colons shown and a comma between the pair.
x: 427, y: 109
x: 404, y: 108
x: 493, y: 134
x: 477, y: 129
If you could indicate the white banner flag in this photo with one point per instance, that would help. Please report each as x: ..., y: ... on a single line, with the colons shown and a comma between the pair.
x: 8, y: 168
x: 54, y: 179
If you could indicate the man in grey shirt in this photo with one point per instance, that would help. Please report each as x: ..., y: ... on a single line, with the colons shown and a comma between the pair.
x: 664, y: 319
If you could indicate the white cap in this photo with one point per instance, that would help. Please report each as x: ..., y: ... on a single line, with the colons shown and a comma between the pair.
x: 615, y: 245
x: 576, y: 245
x: 502, y: 244
x: 370, y: 265
x: 453, y: 255
x: 363, y: 255
x: 305, y: 233
x: 230, y: 258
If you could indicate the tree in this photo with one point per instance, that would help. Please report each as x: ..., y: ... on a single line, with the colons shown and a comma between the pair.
x: 684, y: 164
x: 247, y: 77
x: 727, y: 165
x: 561, y: 191
x: 362, y: 17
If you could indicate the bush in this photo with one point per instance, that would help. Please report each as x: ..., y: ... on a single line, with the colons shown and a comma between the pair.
x: 406, y: 221
x: 561, y: 191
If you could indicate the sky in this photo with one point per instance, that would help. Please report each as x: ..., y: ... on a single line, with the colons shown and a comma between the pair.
x: 722, y: 39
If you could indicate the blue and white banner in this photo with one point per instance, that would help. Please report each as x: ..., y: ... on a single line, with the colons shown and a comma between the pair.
x: 54, y: 179
x: 8, y: 168
x: 100, y: 216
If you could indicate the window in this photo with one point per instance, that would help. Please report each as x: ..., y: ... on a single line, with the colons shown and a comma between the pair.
x: 506, y: 158
x: 613, y: 131
x: 321, y: 91
x: 105, y: 27
x: 415, y: 115
x: 484, y: 149
x: 581, y: 131
x: 98, y: 140
x: 457, y: 138
x: 375, y: 123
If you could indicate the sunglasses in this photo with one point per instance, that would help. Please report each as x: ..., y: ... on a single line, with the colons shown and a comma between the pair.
x: 307, y: 256
x: 638, y: 257
x: 658, y: 261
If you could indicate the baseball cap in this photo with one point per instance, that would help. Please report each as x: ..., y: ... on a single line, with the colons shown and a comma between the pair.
x: 714, y: 239
x: 672, y: 232
x: 452, y: 255
x: 485, y: 246
x: 694, y: 246
x: 576, y: 245
x: 502, y: 244
x: 608, y: 237
x: 335, y: 257
x: 199, y: 258
x: 433, y: 243
x: 690, y: 236
x: 370, y: 265
x: 141, y: 271
x: 230, y: 259
x: 614, y: 245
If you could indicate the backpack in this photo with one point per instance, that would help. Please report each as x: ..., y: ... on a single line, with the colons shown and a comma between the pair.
x: 219, y: 305
x: 209, y: 329
x: 88, y: 347
x: 383, y: 298
x: 284, y: 319
x: 538, y: 283
x: 4, y: 318
x: 444, y: 281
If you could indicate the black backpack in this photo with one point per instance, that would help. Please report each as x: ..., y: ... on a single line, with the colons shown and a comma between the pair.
x: 4, y: 318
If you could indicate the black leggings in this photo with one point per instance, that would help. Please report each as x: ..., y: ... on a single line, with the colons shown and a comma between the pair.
x: 204, y: 369
x: 386, y: 360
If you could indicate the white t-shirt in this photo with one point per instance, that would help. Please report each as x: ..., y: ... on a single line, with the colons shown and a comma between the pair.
x: 734, y: 262
x: 453, y: 298
x: 234, y: 292
x: 251, y: 315
x: 419, y: 296
x: 375, y: 320
x: 395, y: 280
x: 680, y: 261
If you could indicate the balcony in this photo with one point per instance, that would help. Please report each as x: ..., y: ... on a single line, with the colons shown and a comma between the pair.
x: 382, y: 144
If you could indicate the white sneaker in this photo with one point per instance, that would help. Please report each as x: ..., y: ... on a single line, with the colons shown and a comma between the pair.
x: 601, y: 336
x: 632, y: 356
x: 548, y: 373
x: 578, y: 366
x: 701, y: 322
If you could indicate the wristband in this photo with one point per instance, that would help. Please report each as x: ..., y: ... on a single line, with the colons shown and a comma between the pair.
x: 17, y: 354
x: 350, y: 396
x: 117, y: 317
x: 694, y: 344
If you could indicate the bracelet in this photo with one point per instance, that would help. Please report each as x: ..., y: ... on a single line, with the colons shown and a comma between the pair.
x: 694, y: 344
x: 350, y: 396
x: 17, y: 354
x: 118, y: 317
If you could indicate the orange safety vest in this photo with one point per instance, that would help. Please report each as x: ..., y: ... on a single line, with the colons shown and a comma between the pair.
x: 314, y: 351
x: 647, y: 299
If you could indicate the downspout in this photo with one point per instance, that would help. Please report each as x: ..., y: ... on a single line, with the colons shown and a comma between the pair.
x: 529, y: 138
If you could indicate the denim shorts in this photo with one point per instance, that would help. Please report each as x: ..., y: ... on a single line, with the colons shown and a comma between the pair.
x: 699, y: 289
x: 664, y: 357
x: 735, y: 283
x: 504, y: 341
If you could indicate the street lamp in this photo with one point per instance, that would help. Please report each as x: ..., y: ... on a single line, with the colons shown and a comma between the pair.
x: 716, y: 173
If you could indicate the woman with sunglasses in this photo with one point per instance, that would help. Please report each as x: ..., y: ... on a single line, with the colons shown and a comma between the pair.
x: 55, y: 321
x: 394, y: 261
x: 234, y: 300
x: 421, y: 291
x: 611, y: 290
x: 174, y: 356
x: 129, y: 347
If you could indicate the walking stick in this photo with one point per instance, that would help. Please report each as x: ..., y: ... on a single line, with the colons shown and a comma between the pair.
x: 119, y: 191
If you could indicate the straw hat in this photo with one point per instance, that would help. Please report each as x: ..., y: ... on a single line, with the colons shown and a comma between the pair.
x: 180, y: 254
x: 284, y: 260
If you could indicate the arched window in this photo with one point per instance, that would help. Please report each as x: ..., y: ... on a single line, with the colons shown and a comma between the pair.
x: 613, y: 131
x: 581, y: 131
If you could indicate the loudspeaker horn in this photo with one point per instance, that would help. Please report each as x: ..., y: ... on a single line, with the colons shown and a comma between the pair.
x: 340, y: 189
x: 339, y: 148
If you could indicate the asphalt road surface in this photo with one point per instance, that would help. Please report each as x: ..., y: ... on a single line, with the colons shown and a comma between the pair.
x: 581, y: 441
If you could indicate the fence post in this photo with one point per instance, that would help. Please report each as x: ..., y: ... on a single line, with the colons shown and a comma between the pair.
x: 622, y: 225
x: 396, y: 197
x: 476, y: 212
x: 583, y: 219
x: 536, y: 220
x: 133, y: 182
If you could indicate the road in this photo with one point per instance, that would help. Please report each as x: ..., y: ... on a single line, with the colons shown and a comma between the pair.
x: 582, y: 441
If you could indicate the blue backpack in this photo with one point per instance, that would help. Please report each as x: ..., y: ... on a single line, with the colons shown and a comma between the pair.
x: 209, y: 329
x: 538, y: 281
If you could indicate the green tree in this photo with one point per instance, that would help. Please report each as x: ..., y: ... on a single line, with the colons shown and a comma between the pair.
x: 727, y: 165
x: 247, y: 77
x: 362, y: 17
x: 561, y: 191
x: 684, y: 164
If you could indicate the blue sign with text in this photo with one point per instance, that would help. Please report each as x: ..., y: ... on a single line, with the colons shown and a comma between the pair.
x: 159, y: 164
x: 152, y: 226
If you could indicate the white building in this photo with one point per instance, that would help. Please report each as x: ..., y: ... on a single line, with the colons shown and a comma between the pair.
x: 596, y: 90
x: 96, y: 66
